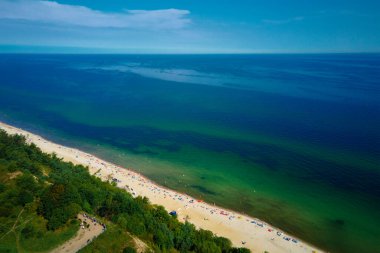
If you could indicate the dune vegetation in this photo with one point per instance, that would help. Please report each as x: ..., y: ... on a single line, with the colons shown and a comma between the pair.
x: 41, y: 196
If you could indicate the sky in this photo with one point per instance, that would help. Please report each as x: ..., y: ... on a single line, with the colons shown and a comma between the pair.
x: 189, y: 26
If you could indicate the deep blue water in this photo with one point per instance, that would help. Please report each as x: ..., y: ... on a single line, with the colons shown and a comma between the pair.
x: 291, y: 139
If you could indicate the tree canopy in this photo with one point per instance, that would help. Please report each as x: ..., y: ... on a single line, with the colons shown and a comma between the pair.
x: 57, y: 191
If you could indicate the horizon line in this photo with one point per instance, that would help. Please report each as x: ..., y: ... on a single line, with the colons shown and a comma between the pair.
x: 72, y: 50
x: 188, y: 53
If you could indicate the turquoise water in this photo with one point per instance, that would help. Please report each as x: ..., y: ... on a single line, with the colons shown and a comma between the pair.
x: 291, y: 139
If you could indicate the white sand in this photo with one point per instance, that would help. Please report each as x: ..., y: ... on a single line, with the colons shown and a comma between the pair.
x: 257, y: 235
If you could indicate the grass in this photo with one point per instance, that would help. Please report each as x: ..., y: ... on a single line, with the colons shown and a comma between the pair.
x: 112, y: 240
x: 15, y: 241
x: 51, y: 239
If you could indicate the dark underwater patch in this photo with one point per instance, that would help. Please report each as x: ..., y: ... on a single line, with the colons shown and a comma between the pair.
x: 203, y: 189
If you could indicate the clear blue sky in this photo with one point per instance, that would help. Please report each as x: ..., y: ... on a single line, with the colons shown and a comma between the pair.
x: 189, y: 26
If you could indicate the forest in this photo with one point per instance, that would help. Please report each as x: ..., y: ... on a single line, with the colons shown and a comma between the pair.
x: 41, y: 196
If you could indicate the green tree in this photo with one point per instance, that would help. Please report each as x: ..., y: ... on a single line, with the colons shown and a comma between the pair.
x: 129, y: 250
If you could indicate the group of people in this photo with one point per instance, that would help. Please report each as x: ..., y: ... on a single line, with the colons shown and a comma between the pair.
x: 108, y: 170
x: 186, y: 200
x: 94, y: 220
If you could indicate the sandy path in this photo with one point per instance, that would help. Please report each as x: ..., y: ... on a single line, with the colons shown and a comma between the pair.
x: 255, y: 234
x: 14, y: 224
x: 82, y: 238
x: 140, y: 246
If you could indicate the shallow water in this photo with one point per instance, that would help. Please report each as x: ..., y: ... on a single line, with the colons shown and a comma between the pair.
x: 291, y: 139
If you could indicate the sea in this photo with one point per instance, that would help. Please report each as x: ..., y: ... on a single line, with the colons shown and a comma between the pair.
x: 292, y: 139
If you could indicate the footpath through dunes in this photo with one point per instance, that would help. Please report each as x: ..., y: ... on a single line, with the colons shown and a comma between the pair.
x: 243, y: 231
x: 88, y: 231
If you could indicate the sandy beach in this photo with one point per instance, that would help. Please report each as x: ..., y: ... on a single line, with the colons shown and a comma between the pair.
x: 242, y: 230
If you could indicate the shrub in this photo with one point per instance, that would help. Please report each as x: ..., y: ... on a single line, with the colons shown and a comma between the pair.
x: 129, y: 250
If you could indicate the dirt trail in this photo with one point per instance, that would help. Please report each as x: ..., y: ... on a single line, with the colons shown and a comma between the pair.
x: 14, y: 224
x: 141, y: 247
x: 83, y: 237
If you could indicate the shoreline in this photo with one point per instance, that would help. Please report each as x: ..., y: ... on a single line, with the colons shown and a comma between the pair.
x: 257, y: 235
